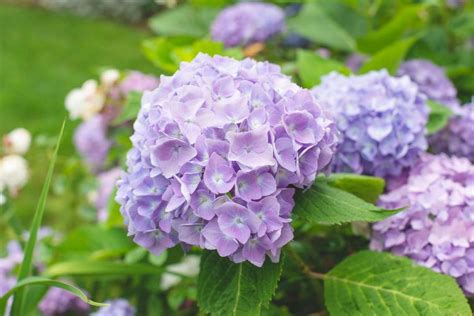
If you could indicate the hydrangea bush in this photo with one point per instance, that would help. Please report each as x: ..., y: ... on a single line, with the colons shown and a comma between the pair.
x: 216, y: 150
x: 247, y: 23
x: 437, y: 229
x: 381, y: 119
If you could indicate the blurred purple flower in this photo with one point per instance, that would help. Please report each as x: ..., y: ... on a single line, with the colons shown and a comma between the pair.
x: 90, y: 139
x: 117, y: 307
x: 437, y: 229
x: 381, y: 118
x: 247, y: 23
x: 107, y: 182
x: 457, y: 138
x: 215, y: 149
x: 58, y: 301
x: 431, y: 81
x: 354, y: 61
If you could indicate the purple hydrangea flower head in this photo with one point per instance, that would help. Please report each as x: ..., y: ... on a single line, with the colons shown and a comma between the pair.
x: 137, y: 81
x: 431, y: 80
x: 58, y: 301
x: 382, y: 121
x: 117, y: 307
x: 107, y: 182
x: 217, y: 150
x: 437, y: 228
x: 90, y: 139
x: 247, y: 23
x: 457, y: 138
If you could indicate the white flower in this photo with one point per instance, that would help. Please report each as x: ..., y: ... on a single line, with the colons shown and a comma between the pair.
x: 3, y: 199
x: 109, y: 77
x: 13, y: 172
x: 188, y: 267
x: 86, y: 101
x: 17, y: 141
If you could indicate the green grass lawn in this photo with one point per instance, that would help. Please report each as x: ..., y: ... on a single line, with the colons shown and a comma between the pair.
x: 43, y: 55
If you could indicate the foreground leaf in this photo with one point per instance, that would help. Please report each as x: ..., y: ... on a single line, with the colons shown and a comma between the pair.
x: 45, y: 282
x: 439, y: 117
x: 325, y: 204
x: 98, y: 268
x: 227, y: 288
x: 365, y: 187
x: 390, y: 57
x: 25, y: 268
x: 315, y: 24
x: 311, y: 67
x: 371, y: 283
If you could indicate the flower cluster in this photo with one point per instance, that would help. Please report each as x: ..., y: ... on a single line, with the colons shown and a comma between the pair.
x: 247, y: 23
x: 382, y: 120
x: 117, y: 307
x: 13, y: 166
x: 437, y: 229
x: 58, y: 302
x: 215, y: 150
x: 457, y: 138
x: 98, y: 105
x: 431, y: 81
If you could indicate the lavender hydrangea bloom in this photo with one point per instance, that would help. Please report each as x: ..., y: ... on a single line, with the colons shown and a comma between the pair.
x: 137, y: 81
x: 431, y: 80
x: 457, y: 138
x: 118, y: 307
x: 382, y: 120
x: 107, y: 182
x: 90, y: 139
x: 215, y: 152
x: 437, y: 230
x: 58, y: 301
x: 247, y: 23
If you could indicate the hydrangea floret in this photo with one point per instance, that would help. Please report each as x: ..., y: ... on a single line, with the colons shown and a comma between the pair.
x: 247, y: 23
x: 382, y: 120
x: 437, y: 228
x: 217, y: 150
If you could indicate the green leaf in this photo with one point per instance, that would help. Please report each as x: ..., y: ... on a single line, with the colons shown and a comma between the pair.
x: 45, y: 282
x: 25, y: 268
x: 315, y: 24
x: 168, y: 53
x: 132, y: 106
x: 311, y: 67
x: 409, y: 18
x: 99, y: 269
x: 94, y: 242
x: 371, y: 283
x: 227, y: 288
x: 184, y: 20
x: 365, y: 187
x: 325, y: 204
x: 439, y: 117
x: 390, y: 57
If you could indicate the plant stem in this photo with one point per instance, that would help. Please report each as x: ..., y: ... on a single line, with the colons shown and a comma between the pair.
x: 305, y: 268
